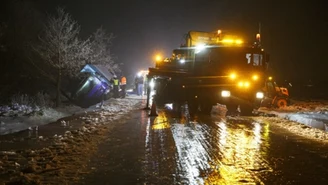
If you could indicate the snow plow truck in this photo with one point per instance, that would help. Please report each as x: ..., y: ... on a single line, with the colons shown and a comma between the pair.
x: 212, y: 68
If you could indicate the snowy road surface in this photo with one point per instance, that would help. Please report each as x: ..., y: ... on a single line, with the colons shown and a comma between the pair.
x: 115, y: 146
x: 206, y: 150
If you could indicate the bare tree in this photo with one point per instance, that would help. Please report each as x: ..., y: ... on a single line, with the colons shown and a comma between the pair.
x: 100, y: 46
x: 61, y: 48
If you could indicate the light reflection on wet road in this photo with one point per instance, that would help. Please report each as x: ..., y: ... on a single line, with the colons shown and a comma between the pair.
x: 216, y: 150
x: 174, y: 149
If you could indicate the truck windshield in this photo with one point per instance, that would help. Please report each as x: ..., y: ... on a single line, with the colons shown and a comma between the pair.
x: 232, y: 56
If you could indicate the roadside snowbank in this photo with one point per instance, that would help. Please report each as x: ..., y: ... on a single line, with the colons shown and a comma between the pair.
x: 312, y: 113
x: 308, y: 119
x: 18, y: 118
x: 50, y: 156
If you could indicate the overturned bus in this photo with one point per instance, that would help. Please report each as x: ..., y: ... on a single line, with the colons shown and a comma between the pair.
x: 94, y: 84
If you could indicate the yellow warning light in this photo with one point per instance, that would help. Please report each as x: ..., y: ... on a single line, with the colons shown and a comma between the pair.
x: 243, y: 84
x: 246, y: 84
x: 228, y: 41
x: 232, y: 41
x: 255, y: 77
x: 258, y: 36
x: 158, y: 58
x: 233, y: 76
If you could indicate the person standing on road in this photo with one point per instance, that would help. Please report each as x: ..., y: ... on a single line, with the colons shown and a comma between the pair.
x: 116, y: 84
x: 145, y: 79
x: 136, y: 84
x: 140, y: 85
x: 123, y: 86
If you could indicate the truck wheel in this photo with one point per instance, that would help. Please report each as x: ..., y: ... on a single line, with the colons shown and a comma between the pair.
x: 281, y: 102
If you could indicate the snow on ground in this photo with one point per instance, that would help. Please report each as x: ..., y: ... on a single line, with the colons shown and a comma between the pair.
x: 311, y: 113
x: 20, y: 117
x: 306, y: 118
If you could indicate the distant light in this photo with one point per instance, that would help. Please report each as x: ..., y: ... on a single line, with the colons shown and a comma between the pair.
x: 270, y: 78
x: 142, y: 73
x: 182, y: 61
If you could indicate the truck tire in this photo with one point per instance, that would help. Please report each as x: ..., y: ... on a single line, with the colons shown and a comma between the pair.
x: 281, y: 102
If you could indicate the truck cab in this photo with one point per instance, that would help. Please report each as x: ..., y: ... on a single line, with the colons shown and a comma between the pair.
x: 213, y: 68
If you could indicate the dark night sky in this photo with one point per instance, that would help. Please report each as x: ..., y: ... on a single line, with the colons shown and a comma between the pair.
x: 293, y: 32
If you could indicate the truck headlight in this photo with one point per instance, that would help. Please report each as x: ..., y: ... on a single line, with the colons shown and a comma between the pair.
x: 199, y: 48
x: 225, y: 93
x: 152, y: 84
x: 259, y: 95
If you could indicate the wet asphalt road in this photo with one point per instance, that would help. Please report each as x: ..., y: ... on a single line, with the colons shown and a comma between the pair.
x: 176, y: 149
